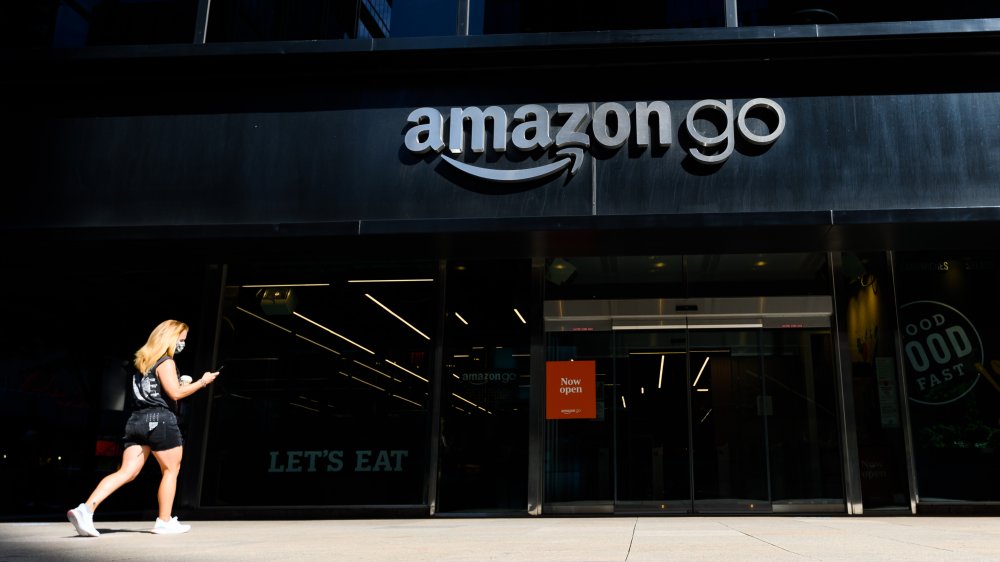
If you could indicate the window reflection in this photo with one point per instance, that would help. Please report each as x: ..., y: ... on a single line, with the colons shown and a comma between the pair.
x: 82, y: 23
x: 534, y: 16
x: 87, y: 23
x: 795, y: 12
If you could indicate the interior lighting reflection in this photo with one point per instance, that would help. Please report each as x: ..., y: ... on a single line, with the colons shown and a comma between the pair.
x: 368, y: 383
x: 700, y: 371
x: 390, y: 280
x: 519, y: 316
x: 469, y: 402
x: 659, y: 382
x: 285, y: 285
x: 398, y: 366
x: 262, y: 319
x: 398, y: 317
x: 388, y: 376
x: 317, y: 344
x: 313, y: 322
x: 303, y: 407
x: 623, y: 403
x: 459, y: 316
x: 688, y: 326
x: 407, y: 400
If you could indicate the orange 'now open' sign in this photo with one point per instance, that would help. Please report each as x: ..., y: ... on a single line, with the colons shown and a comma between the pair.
x: 570, y: 390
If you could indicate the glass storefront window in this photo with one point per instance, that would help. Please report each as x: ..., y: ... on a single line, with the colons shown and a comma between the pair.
x: 948, y: 305
x: 792, y: 12
x: 89, y: 23
x: 272, y: 20
x: 326, y: 390
x: 82, y: 23
x: 534, y: 16
x: 485, y: 387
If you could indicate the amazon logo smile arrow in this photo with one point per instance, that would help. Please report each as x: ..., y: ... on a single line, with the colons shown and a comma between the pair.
x: 572, y: 157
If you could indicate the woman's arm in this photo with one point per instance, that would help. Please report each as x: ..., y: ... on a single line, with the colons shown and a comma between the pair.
x: 167, y: 373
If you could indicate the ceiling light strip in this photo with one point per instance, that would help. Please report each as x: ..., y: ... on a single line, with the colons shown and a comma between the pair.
x: 359, y: 346
x: 688, y: 327
x: 317, y: 344
x: 700, y: 371
x: 407, y: 400
x: 262, y: 319
x: 368, y: 383
x: 398, y: 366
x: 372, y: 369
x: 285, y: 285
x: 659, y: 383
x: 398, y: 317
x: 459, y: 316
x: 390, y: 280
x: 521, y: 318
x: 304, y: 407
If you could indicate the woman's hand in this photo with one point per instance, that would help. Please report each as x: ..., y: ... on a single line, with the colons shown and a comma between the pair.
x: 208, y: 378
x: 171, y: 385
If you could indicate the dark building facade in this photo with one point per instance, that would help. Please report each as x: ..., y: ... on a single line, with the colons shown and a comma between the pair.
x: 508, y: 258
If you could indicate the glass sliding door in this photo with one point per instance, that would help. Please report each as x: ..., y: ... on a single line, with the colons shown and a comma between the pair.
x: 651, y: 421
x: 729, y: 409
x: 691, y: 421
x: 719, y: 405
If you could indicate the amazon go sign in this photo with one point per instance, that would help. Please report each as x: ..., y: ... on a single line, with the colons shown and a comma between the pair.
x: 943, y: 352
x: 610, y: 125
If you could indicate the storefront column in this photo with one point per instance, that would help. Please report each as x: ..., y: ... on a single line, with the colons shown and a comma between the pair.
x: 845, y: 389
x: 536, y: 415
x: 911, y: 469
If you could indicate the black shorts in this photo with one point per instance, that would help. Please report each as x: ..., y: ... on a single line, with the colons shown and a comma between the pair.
x: 156, y: 427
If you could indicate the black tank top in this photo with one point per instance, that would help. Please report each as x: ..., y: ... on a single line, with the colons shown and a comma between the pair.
x: 146, y: 392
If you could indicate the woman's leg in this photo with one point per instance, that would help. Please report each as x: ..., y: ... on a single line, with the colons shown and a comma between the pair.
x: 133, y: 460
x: 170, y: 465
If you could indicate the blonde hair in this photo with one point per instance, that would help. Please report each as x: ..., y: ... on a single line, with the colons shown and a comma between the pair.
x: 162, y: 341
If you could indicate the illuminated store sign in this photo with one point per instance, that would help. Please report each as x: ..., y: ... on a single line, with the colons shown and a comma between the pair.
x: 611, y: 125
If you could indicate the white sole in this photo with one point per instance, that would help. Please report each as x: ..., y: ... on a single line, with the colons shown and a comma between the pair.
x: 71, y: 514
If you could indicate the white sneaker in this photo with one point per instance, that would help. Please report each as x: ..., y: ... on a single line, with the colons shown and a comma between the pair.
x: 171, y: 527
x: 83, y: 520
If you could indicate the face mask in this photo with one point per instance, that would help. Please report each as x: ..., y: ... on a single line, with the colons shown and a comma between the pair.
x: 180, y: 347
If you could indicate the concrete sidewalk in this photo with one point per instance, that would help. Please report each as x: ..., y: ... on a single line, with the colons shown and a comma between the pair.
x: 618, y: 539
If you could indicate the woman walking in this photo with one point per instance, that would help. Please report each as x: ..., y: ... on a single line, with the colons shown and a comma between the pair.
x: 151, y: 429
